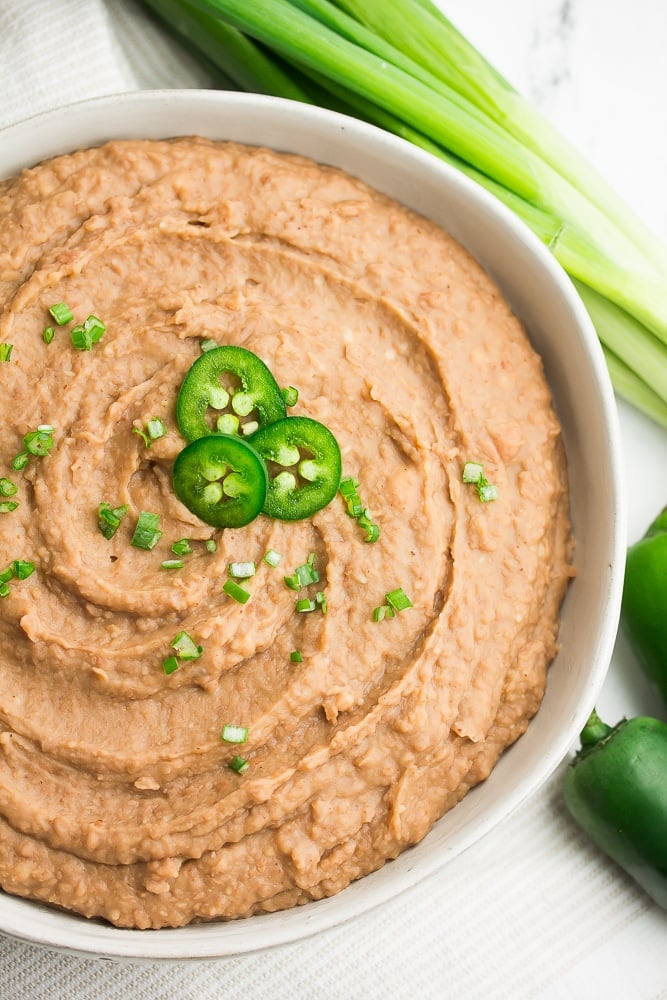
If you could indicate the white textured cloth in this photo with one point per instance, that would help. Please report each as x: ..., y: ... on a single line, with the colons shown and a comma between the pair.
x: 531, y: 911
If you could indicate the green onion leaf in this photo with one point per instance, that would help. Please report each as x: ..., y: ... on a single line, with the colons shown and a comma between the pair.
x: 487, y: 491
x: 82, y: 339
x: 296, y: 656
x: 39, y: 442
x: 472, y: 472
x: 239, y: 764
x: 305, y: 605
x: 236, y: 592
x: 272, y: 558
x: 4, y: 589
x: 321, y: 600
x: 20, y: 461
x: 109, y: 518
x: 398, y: 599
x: 7, y: 487
x: 242, y: 570
x: 182, y: 547
x: 7, y: 506
x: 22, y: 569
x: 48, y: 333
x: 170, y: 665
x: 211, y: 545
x: 172, y: 564
x: 61, y: 313
x: 234, y: 734
x: 185, y: 646
x: 146, y: 534
x: 6, y: 351
x: 94, y: 327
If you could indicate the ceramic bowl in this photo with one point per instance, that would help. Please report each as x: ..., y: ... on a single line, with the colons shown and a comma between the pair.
x: 560, y: 329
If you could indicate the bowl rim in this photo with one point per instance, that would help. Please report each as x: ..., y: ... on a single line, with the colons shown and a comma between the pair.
x: 36, y: 923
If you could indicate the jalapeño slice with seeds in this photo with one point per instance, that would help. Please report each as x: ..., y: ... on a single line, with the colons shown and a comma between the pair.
x: 221, y: 479
x: 225, y: 389
x: 304, y: 467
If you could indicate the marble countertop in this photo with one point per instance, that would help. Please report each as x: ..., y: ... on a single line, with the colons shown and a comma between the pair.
x: 533, y: 910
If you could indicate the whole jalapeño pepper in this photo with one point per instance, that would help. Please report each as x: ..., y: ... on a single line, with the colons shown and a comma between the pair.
x: 644, y: 607
x: 616, y: 790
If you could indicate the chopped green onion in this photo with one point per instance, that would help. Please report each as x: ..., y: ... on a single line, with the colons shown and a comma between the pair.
x: 234, y: 734
x: 349, y: 491
x: 487, y: 492
x: 82, y: 339
x: 348, y: 486
x: 305, y: 605
x: 4, y: 590
x: 272, y: 558
x: 398, y: 599
x: 109, y: 518
x: 172, y: 564
x: 170, y: 665
x: 290, y: 395
x: 6, y: 351
x: 146, y: 534
x: 48, y: 334
x: 207, y: 344
x: 372, y: 530
x: 61, y: 313
x: 155, y: 429
x: 321, y: 600
x: 472, y: 472
x: 211, y: 545
x: 239, y: 764
x: 22, y: 569
x: 39, y: 442
x: 236, y: 592
x: 242, y: 570
x: 379, y: 613
x: 7, y: 487
x: 95, y: 327
x: 7, y: 574
x: 7, y: 506
x: 20, y: 461
x: 185, y: 646
x: 296, y: 656
x: 182, y: 547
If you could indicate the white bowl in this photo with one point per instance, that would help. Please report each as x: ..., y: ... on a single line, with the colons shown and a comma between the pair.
x: 561, y: 331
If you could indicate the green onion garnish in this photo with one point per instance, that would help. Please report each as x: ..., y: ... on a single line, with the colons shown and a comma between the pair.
x: 398, y: 599
x: 172, y: 564
x: 290, y: 395
x: 355, y: 508
x: 303, y: 575
x: 321, y: 601
x: 61, y: 313
x: 170, y: 665
x: 22, y: 569
x: 236, y: 592
x: 473, y: 472
x: 182, y: 547
x: 185, y: 646
x: 146, y: 534
x: 7, y: 574
x: 305, y: 605
x: 272, y: 558
x: 86, y: 334
x: 155, y: 429
x: 211, y: 545
x: 95, y: 327
x: 296, y: 656
x: 7, y: 487
x: 242, y: 570
x: 20, y: 461
x: 234, y: 734
x: 207, y: 345
x: 4, y: 590
x: 239, y: 764
x: 48, y: 334
x: 109, y: 518
x: 7, y: 506
x: 39, y: 442
x: 6, y: 351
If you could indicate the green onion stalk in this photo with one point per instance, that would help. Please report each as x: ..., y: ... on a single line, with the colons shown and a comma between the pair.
x: 402, y: 65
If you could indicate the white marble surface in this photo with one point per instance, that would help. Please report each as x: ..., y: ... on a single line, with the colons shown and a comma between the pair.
x: 533, y: 911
